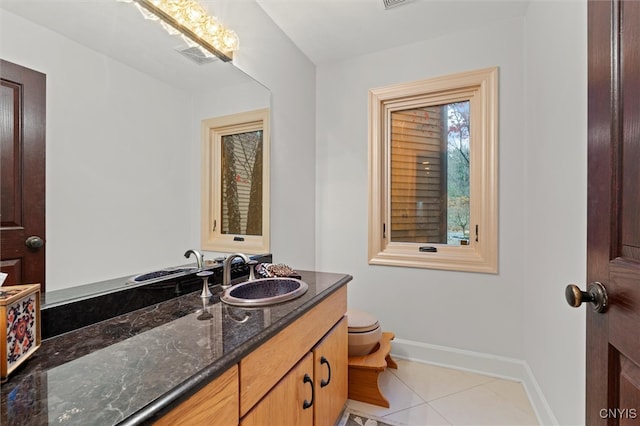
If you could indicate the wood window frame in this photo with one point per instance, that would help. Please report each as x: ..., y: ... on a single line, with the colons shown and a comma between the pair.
x: 480, y: 87
x: 213, y: 129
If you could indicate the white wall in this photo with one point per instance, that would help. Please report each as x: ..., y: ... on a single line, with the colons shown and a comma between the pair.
x: 515, y: 323
x: 475, y: 312
x: 555, y: 202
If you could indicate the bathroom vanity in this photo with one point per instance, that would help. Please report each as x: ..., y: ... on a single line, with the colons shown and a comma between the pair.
x: 189, y: 360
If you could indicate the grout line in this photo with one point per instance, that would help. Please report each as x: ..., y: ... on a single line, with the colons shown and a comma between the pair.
x: 450, y: 422
x: 441, y: 414
x: 455, y: 393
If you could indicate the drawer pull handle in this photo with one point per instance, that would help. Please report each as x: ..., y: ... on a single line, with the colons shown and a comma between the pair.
x: 323, y: 382
x: 306, y: 404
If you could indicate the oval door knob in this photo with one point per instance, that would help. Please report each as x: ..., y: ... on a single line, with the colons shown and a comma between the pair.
x: 596, y: 294
x: 34, y: 242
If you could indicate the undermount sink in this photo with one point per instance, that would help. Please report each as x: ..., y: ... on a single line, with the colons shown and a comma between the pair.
x: 264, y: 291
x: 163, y: 273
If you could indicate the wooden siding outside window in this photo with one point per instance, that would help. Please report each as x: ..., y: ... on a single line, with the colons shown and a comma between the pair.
x: 419, y: 175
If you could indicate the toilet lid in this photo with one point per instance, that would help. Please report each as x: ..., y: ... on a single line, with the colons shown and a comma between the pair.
x: 360, y: 321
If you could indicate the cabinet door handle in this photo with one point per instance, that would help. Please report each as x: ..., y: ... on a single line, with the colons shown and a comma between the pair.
x: 323, y: 382
x: 306, y: 404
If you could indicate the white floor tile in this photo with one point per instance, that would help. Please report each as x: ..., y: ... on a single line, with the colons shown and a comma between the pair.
x: 481, y: 406
x: 431, y: 382
x: 425, y: 395
x: 513, y: 393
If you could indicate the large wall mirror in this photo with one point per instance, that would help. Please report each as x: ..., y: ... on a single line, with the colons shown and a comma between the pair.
x: 123, y: 113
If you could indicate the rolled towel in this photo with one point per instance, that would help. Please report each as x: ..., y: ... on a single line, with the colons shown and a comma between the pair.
x: 269, y: 270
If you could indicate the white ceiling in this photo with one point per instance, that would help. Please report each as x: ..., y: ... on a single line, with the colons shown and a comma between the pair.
x: 330, y: 30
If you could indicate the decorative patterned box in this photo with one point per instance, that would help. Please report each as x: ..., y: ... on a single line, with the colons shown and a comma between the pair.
x: 19, y: 325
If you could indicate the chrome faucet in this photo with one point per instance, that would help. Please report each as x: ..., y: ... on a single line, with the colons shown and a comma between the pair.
x: 198, y: 255
x: 226, y: 268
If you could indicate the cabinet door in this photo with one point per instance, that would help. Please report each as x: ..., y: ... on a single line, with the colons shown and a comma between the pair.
x: 290, y: 402
x: 331, y: 364
x: 216, y: 403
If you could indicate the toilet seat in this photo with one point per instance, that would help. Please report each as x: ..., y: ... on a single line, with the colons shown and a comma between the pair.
x: 360, y: 321
x: 364, y: 332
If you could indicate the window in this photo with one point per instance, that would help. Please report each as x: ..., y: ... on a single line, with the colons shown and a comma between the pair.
x: 433, y: 173
x: 235, y: 183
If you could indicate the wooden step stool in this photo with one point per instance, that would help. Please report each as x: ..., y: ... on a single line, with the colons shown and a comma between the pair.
x: 364, y: 372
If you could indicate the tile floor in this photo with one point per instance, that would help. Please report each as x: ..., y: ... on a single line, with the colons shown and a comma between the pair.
x: 423, y: 394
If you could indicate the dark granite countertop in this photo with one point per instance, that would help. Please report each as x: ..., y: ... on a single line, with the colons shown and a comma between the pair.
x: 135, y: 367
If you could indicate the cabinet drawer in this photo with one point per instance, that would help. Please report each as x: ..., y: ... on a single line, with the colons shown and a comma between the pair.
x: 266, y: 365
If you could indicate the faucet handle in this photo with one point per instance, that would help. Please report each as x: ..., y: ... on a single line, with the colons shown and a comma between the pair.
x: 252, y: 269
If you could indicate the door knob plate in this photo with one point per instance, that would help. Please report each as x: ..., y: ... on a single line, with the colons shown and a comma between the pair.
x: 596, y: 294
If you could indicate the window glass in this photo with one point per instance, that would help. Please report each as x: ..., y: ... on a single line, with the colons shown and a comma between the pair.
x: 430, y: 158
x: 242, y: 183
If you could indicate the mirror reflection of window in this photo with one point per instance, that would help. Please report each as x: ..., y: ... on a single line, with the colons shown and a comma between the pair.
x: 430, y: 161
x: 242, y: 183
x: 235, y: 183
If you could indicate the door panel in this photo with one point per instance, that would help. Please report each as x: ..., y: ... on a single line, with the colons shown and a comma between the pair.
x: 22, y: 173
x: 13, y: 268
x: 613, y: 234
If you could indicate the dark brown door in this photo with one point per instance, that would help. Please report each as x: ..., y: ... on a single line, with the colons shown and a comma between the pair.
x: 22, y: 174
x: 613, y: 235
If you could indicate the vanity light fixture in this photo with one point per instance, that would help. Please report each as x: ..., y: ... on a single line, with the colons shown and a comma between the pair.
x: 190, y: 20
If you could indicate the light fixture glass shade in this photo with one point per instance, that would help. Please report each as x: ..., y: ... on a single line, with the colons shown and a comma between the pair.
x: 191, y: 20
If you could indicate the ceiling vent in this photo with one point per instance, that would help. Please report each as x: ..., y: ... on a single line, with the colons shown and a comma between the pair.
x: 388, y: 4
x: 196, y: 55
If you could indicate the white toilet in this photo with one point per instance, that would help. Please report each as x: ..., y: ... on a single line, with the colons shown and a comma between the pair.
x: 364, y: 332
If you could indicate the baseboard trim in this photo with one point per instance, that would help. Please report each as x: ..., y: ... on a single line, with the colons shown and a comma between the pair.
x: 477, y: 362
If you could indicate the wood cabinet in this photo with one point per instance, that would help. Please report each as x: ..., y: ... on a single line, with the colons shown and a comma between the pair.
x: 215, y: 403
x: 314, y: 391
x: 297, y: 377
